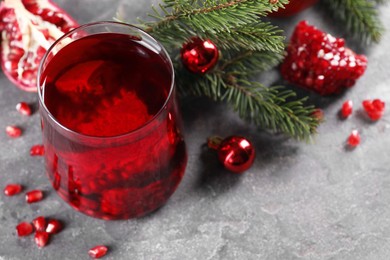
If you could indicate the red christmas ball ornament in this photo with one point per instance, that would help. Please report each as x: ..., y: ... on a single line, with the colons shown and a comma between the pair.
x: 293, y: 7
x: 199, y: 56
x: 236, y: 153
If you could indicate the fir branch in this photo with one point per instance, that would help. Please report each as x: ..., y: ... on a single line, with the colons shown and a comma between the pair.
x: 211, y: 16
x: 359, y: 16
x: 249, y: 63
x: 247, y: 46
x: 256, y: 37
x: 268, y: 107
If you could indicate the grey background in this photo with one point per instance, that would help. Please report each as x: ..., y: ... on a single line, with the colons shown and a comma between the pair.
x: 298, y: 201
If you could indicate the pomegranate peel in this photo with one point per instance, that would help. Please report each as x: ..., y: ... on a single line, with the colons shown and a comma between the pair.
x: 28, y: 30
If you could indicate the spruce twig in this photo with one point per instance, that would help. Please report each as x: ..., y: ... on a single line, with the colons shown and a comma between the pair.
x: 359, y: 16
x: 247, y: 46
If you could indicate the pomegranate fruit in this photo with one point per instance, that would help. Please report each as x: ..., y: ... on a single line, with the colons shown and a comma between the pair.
x: 320, y: 62
x: 28, y: 28
x: 292, y: 8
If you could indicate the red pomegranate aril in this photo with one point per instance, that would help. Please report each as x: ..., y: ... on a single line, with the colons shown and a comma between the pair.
x: 23, y: 108
x: 37, y: 150
x: 41, y: 238
x: 346, y: 109
x: 354, y: 138
x: 34, y: 196
x: 39, y: 223
x: 98, y: 251
x: 24, y: 229
x: 374, y: 108
x: 13, y: 131
x: 13, y: 189
x: 53, y: 226
x: 319, y: 114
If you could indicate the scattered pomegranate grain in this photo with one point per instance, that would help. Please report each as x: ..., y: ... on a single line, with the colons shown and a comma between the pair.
x: 53, y: 226
x: 354, y: 138
x: 39, y: 223
x: 13, y: 131
x: 41, y: 238
x: 319, y: 114
x: 37, y: 150
x: 24, y: 229
x: 98, y: 251
x: 23, y: 108
x: 13, y: 189
x: 347, y: 108
x: 374, y: 108
x: 34, y: 196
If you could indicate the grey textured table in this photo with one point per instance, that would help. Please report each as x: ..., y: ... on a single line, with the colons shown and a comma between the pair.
x: 298, y: 201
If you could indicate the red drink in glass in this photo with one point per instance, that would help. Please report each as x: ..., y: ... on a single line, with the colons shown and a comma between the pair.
x: 111, y: 127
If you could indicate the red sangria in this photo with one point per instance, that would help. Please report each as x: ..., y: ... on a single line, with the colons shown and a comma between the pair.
x: 111, y: 127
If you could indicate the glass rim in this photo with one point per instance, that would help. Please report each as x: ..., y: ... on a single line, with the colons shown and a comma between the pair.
x: 132, y: 132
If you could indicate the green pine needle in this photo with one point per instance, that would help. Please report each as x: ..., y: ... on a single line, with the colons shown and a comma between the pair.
x: 359, y: 16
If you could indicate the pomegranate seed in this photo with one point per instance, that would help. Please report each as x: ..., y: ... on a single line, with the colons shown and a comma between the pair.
x: 346, y: 109
x: 41, y: 238
x: 13, y: 131
x: 12, y: 189
x: 37, y: 150
x: 319, y: 114
x: 39, y: 223
x: 54, y: 226
x: 354, y: 138
x: 374, y: 108
x: 34, y: 196
x: 98, y: 251
x: 23, y: 108
x: 24, y: 229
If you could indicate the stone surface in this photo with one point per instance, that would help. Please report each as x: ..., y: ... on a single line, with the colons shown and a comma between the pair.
x: 298, y: 201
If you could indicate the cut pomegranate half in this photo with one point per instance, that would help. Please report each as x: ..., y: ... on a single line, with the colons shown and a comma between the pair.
x: 29, y: 27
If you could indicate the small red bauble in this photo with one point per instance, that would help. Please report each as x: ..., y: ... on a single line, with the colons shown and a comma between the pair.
x: 236, y: 153
x: 293, y: 7
x: 199, y: 56
x: 354, y: 138
x: 320, y: 62
x: 346, y: 109
x: 374, y: 108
